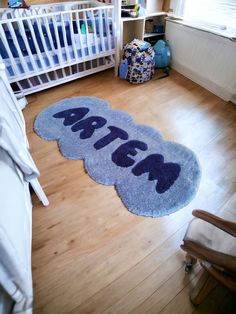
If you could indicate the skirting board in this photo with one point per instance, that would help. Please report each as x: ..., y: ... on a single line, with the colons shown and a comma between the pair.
x: 205, y: 58
x: 202, y: 81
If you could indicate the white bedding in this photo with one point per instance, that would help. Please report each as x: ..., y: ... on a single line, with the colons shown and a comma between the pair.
x: 16, y: 168
x: 15, y: 238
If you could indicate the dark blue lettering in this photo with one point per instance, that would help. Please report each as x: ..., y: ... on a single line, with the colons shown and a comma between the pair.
x: 113, y: 135
x: 72, y: 115
x: 88, y: 126
x: 120, y: 155
x: 165, y: 173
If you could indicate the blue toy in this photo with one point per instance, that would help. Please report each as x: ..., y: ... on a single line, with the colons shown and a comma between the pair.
x: 17, y: 4
x: 162, y: 54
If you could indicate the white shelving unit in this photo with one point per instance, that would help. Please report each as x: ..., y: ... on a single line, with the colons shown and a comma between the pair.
x: 149, y: 35
x: 137, y: 27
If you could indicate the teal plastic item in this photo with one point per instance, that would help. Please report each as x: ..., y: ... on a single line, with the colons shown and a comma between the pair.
x: 83, y: 29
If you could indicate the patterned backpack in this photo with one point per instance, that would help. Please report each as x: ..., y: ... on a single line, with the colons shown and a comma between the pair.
x: 139, y: 56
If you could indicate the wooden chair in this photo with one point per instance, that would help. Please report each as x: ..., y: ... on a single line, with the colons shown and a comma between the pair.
x: 211, y: 240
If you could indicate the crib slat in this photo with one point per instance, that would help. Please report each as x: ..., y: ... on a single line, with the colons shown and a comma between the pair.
x: 70, y: 70
x: 107, y: 29
x: 19, y: 86
x: 48, y: 77
x: 80, y: 35
x: 94, y: 32
x: 87, y: 33
x: 23, y: 35
x: 64, y: 37
x: 30, y: 83
x: 40, y: 80
x: 45, y: 48
x: 18, y: 48
x: 56, y: 75
x: 73, y: 37
x: 63, y: 72
x: 59, y: 50
x: 101, y: 30
x: 10, y: 55
x: 46, y: 24
x: 39, y: 54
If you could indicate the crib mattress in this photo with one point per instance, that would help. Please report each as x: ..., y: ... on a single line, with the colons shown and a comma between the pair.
x: 88, y: 48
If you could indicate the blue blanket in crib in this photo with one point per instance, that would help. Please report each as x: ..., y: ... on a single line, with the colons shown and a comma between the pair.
x: 47, y: 36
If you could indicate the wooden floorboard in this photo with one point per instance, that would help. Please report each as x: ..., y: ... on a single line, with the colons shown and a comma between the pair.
x: 90, y: 254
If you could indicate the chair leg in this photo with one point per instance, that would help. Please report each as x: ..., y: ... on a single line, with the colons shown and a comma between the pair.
x: 189, y: 262
x: 204, y: 286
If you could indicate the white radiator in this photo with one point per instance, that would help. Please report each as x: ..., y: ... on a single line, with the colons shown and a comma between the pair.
x: 205, y: 58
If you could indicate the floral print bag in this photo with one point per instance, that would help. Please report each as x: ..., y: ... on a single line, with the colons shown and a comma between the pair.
x: 140, y: 59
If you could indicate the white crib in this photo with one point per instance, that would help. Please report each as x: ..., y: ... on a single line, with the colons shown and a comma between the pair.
x: 47, y: 45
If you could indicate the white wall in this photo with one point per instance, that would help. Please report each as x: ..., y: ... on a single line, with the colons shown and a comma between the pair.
x: 205, y: 58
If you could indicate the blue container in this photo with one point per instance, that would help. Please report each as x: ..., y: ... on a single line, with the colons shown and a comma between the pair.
x: 162, y: 54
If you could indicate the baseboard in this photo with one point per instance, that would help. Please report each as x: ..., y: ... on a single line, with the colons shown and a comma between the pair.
x: 219, y: 91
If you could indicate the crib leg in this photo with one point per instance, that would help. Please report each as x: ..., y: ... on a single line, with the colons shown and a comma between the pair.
x: 39, y: 191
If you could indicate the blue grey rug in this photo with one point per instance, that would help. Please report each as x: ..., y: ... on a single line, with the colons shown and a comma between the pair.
x: 152, y: 176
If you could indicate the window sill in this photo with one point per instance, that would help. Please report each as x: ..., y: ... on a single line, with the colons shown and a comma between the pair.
x: 201, y: 28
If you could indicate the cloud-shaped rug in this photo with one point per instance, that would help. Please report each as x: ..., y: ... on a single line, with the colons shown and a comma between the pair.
x: 152, y: 176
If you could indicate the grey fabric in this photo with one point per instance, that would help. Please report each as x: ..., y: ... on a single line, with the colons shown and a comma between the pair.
x: 138, y: 193
x: 16, y: 149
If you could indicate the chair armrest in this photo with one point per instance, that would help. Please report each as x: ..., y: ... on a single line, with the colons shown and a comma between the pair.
x: 214, y: 257
x: 225, y: 279
x: 225, y: 225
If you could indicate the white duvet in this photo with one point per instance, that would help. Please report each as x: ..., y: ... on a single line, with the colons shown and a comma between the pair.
x: 16, y: 168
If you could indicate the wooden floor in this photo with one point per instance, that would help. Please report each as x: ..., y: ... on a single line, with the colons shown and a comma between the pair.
x: 90, y: 254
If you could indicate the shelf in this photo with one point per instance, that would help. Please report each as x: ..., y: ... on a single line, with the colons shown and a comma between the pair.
x: 140, y: 28
x: 148, y: 15
x: 146, y: 35
x: 142, y: 17
x: 128, y: 19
